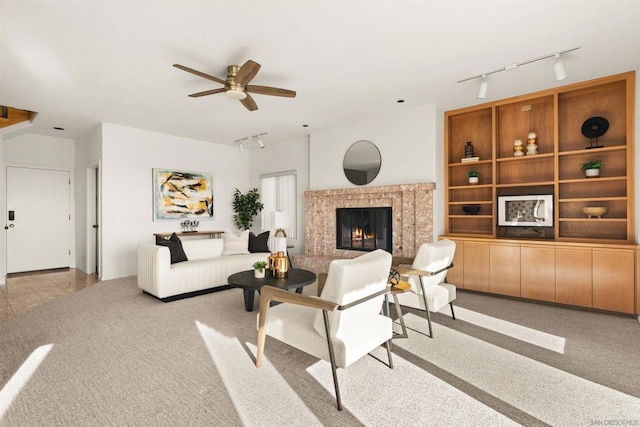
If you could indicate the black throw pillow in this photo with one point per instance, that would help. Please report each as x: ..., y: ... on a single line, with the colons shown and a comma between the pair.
x: 259, y: 243
x: 175, y: 247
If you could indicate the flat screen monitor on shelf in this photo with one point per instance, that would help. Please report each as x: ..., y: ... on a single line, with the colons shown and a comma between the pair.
x: 526, y: 211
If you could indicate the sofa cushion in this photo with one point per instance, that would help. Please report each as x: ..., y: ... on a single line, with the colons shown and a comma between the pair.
x: 235, y: 244
x: 175, y: 247
x: 202, y: 248
x: 259, y: 243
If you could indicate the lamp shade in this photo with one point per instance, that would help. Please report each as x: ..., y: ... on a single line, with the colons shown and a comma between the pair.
x: 279, y: 219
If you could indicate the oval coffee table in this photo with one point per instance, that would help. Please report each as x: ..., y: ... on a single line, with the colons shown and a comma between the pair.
x: 296, y: 279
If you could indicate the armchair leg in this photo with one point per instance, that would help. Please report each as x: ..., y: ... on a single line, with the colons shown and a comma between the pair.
x: 426, y: 306
x: 453, y: 315
x: 388, y: 345
x: 332, y: 360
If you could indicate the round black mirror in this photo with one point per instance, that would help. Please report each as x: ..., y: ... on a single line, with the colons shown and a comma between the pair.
x: 362, y: 162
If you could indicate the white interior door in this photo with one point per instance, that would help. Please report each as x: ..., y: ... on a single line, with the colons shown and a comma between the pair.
x: 38, y: 219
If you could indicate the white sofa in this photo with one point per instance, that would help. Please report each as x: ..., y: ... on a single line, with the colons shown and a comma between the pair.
x: 205, y: 271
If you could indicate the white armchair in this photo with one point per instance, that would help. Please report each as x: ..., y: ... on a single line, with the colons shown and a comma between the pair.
x: 427, y: 274
x: 343, y: 324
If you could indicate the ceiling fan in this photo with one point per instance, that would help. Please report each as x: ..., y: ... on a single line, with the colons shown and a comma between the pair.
x: 236, y: 85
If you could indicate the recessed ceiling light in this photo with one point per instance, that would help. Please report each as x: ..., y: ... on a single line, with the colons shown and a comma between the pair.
x: 58, y: 128
x: 305, y: 126
x: 400, y: 101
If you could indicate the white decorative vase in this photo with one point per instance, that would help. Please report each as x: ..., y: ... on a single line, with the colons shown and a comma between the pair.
x: 474, y: 180
x: 258, y: 274
x: 591, y: 173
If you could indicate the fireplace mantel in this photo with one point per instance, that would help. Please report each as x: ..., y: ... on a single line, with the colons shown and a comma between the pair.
x: 412, y: 207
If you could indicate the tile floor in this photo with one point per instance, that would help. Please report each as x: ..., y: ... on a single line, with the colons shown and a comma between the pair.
x: 24, y: 291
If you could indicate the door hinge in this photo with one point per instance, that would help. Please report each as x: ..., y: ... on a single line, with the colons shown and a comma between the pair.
x: 69, y: 181
x: 69, y: 217
x: 69, y: 251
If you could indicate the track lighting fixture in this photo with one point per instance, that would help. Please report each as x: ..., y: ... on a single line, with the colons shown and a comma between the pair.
x: 558, y: 69
x: 482, y: 90
x: 256, y: 138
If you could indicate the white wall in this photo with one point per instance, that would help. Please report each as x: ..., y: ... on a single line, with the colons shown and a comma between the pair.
x: 47, y: 152
x: 278, y: 157
x: 88, y: 154
x: 3, y: 241
x: 410, y: 143
x: 40, y: 151
x: 128, y: 157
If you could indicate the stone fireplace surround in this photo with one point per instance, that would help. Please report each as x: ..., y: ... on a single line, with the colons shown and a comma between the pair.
x: 412, y: 207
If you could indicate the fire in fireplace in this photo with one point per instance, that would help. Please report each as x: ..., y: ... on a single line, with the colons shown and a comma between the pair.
x: 364, y: 229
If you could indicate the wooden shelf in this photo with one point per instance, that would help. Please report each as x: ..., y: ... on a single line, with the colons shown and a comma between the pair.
x: 483, y: 202
x: 526, y: 184
x: 592, y: 151
x: 466, y: 187
x: 592, y: 199
x: 524, y: 158
x: 592, y: 219
x: 479, y: 162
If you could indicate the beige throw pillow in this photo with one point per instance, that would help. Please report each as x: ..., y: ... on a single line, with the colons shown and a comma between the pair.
x: 235, y: 243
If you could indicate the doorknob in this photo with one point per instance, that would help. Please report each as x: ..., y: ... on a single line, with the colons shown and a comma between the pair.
x: 95, y: 226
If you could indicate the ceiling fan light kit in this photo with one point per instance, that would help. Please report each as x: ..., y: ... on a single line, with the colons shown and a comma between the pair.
x: 558, y: 70
x: 236, y: 85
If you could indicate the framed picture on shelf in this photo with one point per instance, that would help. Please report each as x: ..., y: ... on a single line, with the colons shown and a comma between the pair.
x: 180, y: 195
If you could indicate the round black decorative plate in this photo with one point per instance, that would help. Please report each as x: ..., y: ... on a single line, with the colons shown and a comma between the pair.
x: 595, y: 127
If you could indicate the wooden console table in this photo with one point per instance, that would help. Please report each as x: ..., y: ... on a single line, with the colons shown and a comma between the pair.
x: 213, y: 234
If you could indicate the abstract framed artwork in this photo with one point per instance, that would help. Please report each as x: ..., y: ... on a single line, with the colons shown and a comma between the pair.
x: 179, y: 195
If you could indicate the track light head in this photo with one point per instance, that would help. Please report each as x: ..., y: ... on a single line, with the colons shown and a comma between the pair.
x: 240, y: 147
x: 260, y: 143
x: 558, y: 68
x: 482, y: 90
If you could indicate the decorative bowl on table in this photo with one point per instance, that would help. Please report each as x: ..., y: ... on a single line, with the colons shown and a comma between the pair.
x: 471, y: 209
x: 594, y: 211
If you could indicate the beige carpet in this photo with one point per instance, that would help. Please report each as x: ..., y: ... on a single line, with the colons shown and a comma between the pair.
x: 110, y: 355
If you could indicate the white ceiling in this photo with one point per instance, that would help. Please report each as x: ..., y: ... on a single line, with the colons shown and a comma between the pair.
x: 80, y: 63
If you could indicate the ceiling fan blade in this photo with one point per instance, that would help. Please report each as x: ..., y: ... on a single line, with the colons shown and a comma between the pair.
x: 206, y: 92
x: 247, y: 72
x: 249, y: 103
x: 198, y: 73
x: 273, y: 91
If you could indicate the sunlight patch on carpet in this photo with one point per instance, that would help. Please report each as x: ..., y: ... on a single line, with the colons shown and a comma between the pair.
x: 523, y: 383
x: 423, y: 399
x: 513, y: 330
x: 261, y: 396
x: 17, y: 382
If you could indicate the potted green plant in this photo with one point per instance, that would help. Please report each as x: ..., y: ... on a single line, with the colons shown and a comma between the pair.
x: 246, y: 206
x: 474, y: 177
x: 258, y: 269
x: 592, y: 168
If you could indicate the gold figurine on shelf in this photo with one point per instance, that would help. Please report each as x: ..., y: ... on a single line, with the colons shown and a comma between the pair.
x: 532, y: 147
x: 517, y: 148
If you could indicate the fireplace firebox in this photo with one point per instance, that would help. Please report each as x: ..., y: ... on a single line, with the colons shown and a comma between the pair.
x: 364, y: 229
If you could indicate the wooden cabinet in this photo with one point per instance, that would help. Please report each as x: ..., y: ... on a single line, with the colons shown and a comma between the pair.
x: 573, y: 276
x: 613, y: 278
x: 538, y: 273
x: 504, y: 269
x: 556, y: 116
x: 599, y: 276
x: 476, y: 265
